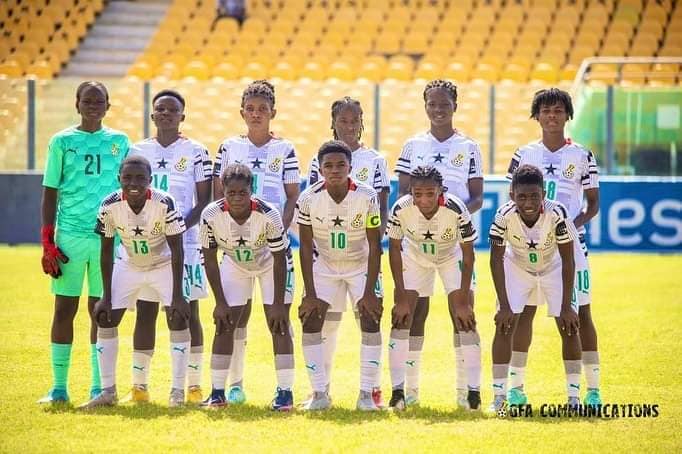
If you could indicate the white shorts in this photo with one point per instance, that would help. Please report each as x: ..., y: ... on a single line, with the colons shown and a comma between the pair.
x: 341, y: 304
x: 422, y: 278
x: 335, y: 288
x: 582, y: 290
x: 193, y: 277
x: 129, y: 283
x: 238, y: 284
x: 524, y: 287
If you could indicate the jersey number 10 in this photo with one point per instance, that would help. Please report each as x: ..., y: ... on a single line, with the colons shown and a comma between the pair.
x: 338, y: 240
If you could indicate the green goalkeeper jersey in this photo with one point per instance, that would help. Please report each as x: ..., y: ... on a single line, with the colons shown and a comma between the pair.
x: 83, y: 167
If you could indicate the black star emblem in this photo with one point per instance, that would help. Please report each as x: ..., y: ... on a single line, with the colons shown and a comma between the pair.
x: 162, y: 163
x: 138, y: 231
x: 256, y: 163
x: 428, y: 235
x: 241, y: 241
x: 531, y: 244
x: 338, y: 222
x: 438, y: 158
x: 550, y: 170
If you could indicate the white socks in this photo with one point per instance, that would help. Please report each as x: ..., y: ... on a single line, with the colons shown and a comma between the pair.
x: 398, y: 348
x: 107, y: 354
x: 179, y: 347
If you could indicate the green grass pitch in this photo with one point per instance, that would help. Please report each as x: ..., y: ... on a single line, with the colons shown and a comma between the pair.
x: 637, y: 308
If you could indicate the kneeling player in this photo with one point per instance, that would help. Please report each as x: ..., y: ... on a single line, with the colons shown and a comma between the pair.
x: 251, y: 233
x: 151, y: 230
x: 424, y: 230
x: 342, y: 219
x: 539, y: 258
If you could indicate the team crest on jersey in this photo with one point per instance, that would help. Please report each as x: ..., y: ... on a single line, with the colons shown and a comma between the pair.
x: 114, y: 149
x: 448, y: 234
x: 569, y: 171
x: 357, y: 221
x: 275, y: 164
x: 157, y: 228
x: 260, y: 241
x: 549, y: 240
x: 458, y: 160
x: 363, y: 174
x: 181, y: 165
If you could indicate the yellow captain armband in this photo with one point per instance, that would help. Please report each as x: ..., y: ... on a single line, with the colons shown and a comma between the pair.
x: 373, y: 221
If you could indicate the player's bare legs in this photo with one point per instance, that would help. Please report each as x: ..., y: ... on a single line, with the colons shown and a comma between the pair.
x: 470, y: 362
x: 421, y: 312
x: 523, y: 335
x: 236, y: 394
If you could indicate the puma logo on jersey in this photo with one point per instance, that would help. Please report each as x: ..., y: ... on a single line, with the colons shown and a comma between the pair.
x: 181, y: 165
x: 357, y: 221
x: 320, y: 220
x: 157, y: 228
x: 569, y: 171
x: 363, y: 174
x: 458, y: 161
x: 115, y: 149
x: 411, y: 232
x: 275, y: 164
x: 448, y: 234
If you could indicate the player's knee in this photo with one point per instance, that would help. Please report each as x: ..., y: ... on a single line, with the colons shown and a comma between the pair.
x: 65, y: 312
x: 146, y: 313
x: 313, y: 325
x: 177, y: 324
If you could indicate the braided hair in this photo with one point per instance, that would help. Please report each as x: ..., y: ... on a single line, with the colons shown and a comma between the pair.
x: 343, y: 103
x: 91, y: 83
x: 427, y: 173
x: 261, y: 88
x: 550, y: 97
x: 445, y: 85
x: 239, y: 172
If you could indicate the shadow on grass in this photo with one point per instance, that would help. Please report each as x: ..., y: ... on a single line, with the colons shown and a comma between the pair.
x: 336, y: 415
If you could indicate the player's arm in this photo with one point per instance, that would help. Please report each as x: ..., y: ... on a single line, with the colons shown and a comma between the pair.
x: 403, y: 184
x: 279, y: 319
x: 203, y: 189
x: 475, y: 201
x: 310, y: 303
x: 369, y: 303
x: 221, y: 313
x: 48, y: 210
x: 568, y: 319
x: 292, y: 191
x: 592, y: 199
x: 179, y: 306
x: 504, y: 316
x: 383, y: 210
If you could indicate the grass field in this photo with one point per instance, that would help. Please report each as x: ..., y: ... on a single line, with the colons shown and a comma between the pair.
x: 637, y: 309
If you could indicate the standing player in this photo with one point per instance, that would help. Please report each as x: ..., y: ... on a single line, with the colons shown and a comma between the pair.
x: 151, y: 234
x: 342, y: 220
x: 539, y: 259
x: 571, y: 174
x: 458, y: 159
x: 425, y: 228
x: 276, y: 180
x: 181, y: 167
x: 250, y: 233
x: 82, y: 164
x: 368, y: 167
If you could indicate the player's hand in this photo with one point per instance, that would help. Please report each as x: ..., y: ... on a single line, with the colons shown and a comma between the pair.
x: 401, y: 314
x: 179, y: 308
x: 278, y: 321
x: 569, y: 321
x: 52, y: 255
x: 504, y: 320
x: 310, y: 307
x: 464, y: 313
x: 102, y: 311
x: 369, y: 306
x: 221, y: 317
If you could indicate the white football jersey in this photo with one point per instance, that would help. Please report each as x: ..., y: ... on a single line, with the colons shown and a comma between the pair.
x: 250, y: 245
x: 431, y: 241
x: 143, y: 235
x: 339, y: 229
x: 567, y: 172
x: 177, y: 169
x: 368, y: 166
x: 458, y: 159
x: 533, y: 248
x: 273, y: 165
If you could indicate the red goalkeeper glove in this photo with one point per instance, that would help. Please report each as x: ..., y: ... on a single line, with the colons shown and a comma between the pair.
x: 52, y: 255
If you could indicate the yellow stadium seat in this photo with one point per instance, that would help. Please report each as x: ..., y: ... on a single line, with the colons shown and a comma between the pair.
x: 603, y: 73
x: 568, y: 72
x: 22, y: 58
x: 544, y: 72
x: 457, y: 72
x: 313, y: 71
x: 632, y: 74
x: 514, y: 73
x: 284, y: 70
x: 11, y: 68
x: 40, y: 69
x: 664, y: 74
x: 415, y: 44
x: 387, y: 43
x: 341, y: 70
x: 168, y: 70
x: 225, y: 70
x: 196, y: 69
x: 485, y: 72
x: 141, y: 70
x: 254, y: 70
